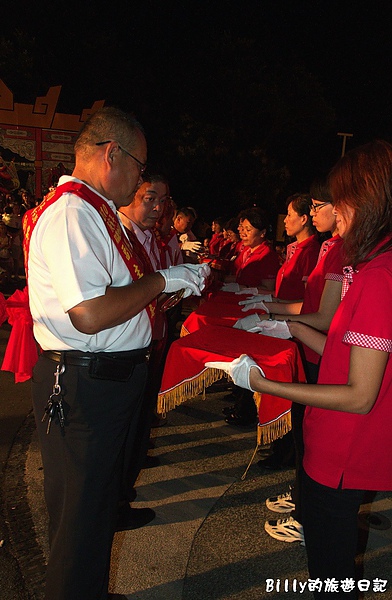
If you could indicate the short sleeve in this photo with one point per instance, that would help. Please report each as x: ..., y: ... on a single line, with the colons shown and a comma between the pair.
x: 333, y: 266
x: 370, y: 325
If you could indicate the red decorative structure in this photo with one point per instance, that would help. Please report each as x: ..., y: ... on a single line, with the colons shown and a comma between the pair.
x: 40, y: 135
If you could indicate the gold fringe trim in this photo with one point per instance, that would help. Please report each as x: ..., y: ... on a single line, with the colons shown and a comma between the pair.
x: 266, y: 434
x: 187, y: 389
x: 250, y: 462
x: 190, y: 388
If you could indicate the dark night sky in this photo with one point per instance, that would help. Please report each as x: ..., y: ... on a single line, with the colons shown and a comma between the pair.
x: 144, y: 56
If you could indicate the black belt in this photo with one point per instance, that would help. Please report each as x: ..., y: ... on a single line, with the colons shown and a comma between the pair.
x: 115, y: 366
x: 83, y: 359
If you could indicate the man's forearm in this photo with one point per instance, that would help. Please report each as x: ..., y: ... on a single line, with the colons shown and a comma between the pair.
x: 117, y: 305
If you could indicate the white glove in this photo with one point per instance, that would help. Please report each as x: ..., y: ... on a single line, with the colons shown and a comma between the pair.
x: 247, y: 291
x: 238, y: 369
x: 256, y: 298
x: 276, y: 329
x: 248, y: 323
x: 250, y: 306
x: 191, y: 246
x: 230, y: 287
x: 252, y: 324
x: 192, y: 278
x: 203, y: 270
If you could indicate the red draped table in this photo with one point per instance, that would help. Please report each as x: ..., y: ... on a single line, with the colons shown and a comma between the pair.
x: 186, y: 376
x: 221, y: 308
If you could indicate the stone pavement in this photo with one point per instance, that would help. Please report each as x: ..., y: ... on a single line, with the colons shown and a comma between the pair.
x: 208, y: 540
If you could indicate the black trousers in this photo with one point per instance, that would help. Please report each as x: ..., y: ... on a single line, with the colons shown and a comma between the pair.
x: 297, y: 418
x: 137, y: 447
x: 137, y: 443
x: 82, y: 474
x: 330, y: 522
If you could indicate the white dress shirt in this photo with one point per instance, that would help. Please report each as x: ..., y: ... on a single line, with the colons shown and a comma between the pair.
x: 72, y: 258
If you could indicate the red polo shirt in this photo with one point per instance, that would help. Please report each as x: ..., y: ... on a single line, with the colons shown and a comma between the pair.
x: 216, y: 243
x: 329, y: 266
x: 293, y: 274
x: 253, y: 267
x: 356, y: 449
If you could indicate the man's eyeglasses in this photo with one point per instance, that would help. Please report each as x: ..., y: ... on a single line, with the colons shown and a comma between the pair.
x: 142, y: 166
x: 316, y: 207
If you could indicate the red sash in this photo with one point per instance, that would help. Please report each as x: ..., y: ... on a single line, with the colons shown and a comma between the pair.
x: 142, y: 253
x: 163, y: 245
x: 120, y: 240
x: 159, y: 325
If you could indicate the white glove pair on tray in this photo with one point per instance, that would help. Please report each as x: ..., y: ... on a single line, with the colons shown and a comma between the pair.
x: 235, y: 287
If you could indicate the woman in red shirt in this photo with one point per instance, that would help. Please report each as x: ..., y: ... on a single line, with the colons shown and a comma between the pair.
x: 348, y: 419
x: 258, y: 263
x: 301, y: 255
x: 217, y: 240
x: 234, y: 245
x: 315, y: 312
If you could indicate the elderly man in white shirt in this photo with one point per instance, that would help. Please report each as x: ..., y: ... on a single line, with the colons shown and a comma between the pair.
x: 93, y: 310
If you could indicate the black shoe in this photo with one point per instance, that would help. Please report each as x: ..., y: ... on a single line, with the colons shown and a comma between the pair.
x: 117, y: 597
x: 133, y: 518
x: 241, y: 421
x: 272, y: 463
x: 230, y: 397
x: 158, y: 421
x: 222, y: 385
x: 264, y: 453
x: 151, y: 461
x: 228, y: 410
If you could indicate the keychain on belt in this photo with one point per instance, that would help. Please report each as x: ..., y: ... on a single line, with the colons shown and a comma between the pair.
x: 55, y: 403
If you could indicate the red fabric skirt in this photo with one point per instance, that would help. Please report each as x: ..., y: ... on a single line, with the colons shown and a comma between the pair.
x: 186, y: 376
x: 22, y: 352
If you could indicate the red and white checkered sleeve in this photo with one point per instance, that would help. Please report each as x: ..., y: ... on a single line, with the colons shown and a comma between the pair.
x: 368, y: 341
x: 370, y: 325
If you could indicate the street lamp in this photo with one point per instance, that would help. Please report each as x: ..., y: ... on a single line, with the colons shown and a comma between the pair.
x: 344, y: 136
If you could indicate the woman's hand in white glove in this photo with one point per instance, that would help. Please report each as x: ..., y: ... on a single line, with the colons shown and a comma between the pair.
x: 253, y: 305
x: 238, y: 369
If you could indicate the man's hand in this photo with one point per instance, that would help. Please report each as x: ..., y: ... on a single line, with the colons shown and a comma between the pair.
x: 190, y: 277
x: 191, y: 246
